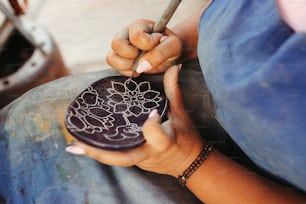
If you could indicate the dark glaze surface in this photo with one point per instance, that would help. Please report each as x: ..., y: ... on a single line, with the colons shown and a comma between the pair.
x: 110, y: 113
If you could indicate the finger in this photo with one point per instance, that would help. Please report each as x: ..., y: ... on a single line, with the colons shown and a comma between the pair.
x: 154, y: 133
x: 169, y: 50
x: 141, y: 36
x: 122, y: 65
x: 118, y: 62
x: 130, y: 73
x: 115, y: 158
x: 172, y: 89
x: 177, y: 114
x: 122, y: 46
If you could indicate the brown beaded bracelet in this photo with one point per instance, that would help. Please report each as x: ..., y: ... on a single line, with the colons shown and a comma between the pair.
x: 195, y: 164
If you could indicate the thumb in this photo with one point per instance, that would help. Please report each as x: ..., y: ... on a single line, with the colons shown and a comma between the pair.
x: 172, y: 89
x: 155, y: 133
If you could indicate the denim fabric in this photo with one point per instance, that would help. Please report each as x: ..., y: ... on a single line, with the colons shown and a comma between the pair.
x: 254, y: 66
x: 34, y: 167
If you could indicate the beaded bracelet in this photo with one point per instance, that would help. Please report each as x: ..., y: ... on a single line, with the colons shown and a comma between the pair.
x: 195, y: 164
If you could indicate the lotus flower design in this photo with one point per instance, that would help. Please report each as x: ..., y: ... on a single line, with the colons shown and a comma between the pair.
x: 112, y: 111
x: 130, y: 98
x: 89, y: 114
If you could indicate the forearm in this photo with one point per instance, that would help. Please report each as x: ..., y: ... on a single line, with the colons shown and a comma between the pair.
x: 187, y: 30
x: 221, y: 180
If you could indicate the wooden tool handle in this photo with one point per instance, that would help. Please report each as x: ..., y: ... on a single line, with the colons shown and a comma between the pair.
x: 19, y: 8
x: 161, y: 24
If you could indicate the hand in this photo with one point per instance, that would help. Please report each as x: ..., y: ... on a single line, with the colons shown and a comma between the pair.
x: 170, y: 147
x: 163, y: 50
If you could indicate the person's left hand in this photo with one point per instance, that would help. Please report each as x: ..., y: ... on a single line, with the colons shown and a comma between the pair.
x: 169, y: 148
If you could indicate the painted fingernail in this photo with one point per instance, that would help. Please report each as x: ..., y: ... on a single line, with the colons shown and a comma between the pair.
x: 163, y: 38
x: 179, y: 66
x: 143, y: 66
x: 153, y: 113
x: 75, y: 150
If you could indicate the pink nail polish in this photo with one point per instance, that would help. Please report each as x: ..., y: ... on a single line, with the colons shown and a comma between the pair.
x: 75, y: 150
x: 153, y: 113
x: 143, y: 66
x: 179, y: 67
x: 163, y: 38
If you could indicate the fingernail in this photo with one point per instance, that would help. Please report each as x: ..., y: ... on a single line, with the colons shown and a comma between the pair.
x: 75, y: 150
x: 162, y: 39
x: 179, y: 66
x: 143, y: 66
x: 153, y: 113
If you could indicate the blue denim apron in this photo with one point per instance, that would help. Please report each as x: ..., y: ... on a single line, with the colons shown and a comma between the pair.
x: 255, y: 67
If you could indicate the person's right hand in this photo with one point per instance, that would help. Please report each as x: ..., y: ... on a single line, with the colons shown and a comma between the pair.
x: 162, y: 50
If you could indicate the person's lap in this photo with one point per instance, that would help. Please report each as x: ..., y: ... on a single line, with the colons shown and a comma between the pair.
x: 34, y: 166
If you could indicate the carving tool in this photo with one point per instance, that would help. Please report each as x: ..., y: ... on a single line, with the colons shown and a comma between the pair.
x: 159, y: 27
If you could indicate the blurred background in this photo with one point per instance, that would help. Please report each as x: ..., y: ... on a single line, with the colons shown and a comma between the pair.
x: 52, y: 38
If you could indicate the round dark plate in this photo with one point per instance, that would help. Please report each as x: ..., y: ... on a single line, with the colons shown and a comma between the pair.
x: 110, y: 113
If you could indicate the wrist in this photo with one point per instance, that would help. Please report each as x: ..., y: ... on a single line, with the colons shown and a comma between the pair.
x: 185, y: 158
x: 195, y: 165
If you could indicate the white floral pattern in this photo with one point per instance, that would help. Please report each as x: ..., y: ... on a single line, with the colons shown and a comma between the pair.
x: 89, y: 114
x: 131, y: 98
x: 94, y: 114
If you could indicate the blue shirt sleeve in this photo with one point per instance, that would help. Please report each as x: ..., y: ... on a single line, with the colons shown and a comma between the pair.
x: 255, y: 68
